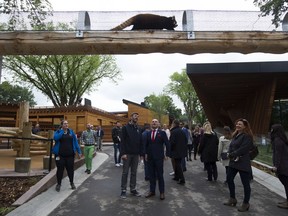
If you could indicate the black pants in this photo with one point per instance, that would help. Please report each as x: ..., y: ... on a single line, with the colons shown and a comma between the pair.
x: 284, y: 180
x: 178, y: 170
x: 195, y: 146
x: 211, y: 168
x: 68, y: 163
x: 245, y: 179
x: 189, y: 151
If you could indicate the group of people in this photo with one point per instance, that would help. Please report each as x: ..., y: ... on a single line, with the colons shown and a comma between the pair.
x: 155, y: 144
x: 66, y: 146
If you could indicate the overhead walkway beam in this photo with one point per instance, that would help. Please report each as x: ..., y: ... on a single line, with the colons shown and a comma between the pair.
x: 135, y: 42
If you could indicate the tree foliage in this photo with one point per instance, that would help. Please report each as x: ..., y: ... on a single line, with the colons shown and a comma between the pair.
x: 15, y: 94
x: 162, y: 104
x: 181, y: 86
x: 275, y: 7
x: 63, y: 78
x: 37, y: 11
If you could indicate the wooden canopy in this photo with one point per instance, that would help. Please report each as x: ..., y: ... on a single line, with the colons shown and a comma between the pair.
x: 229, y: 91
x: 135, y: 42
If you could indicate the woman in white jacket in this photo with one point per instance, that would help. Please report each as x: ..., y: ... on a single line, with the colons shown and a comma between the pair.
x: 223, y: 147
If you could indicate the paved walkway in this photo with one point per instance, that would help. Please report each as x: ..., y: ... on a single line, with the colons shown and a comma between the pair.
x: 99, y: 194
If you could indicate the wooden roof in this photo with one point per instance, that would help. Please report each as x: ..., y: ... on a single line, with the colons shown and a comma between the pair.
x: 135, y: 42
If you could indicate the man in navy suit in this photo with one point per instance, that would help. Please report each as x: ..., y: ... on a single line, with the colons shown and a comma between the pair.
x: 155, y: 155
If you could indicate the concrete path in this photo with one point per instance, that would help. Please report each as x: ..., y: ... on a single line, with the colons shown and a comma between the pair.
x: 99, y: 194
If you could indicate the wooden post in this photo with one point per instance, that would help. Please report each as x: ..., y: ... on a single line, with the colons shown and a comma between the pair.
x: 27, y: 128
x: 23, y: 113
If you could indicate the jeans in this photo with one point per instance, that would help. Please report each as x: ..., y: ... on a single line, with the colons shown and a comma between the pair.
x: 130, y: 163
x: 117, y: 156
x: 245, y: 179
x: 189, y: 151
x: 99, y: 143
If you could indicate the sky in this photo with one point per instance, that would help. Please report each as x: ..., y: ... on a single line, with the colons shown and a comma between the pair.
x: 145, y: 74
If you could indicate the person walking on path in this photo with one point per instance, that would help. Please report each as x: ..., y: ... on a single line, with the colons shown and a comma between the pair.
x: 88, y: 139
x: 99, y: 135
x: 131, y: 148
x: 196, y: 135
x: 116, y: 137
x: 208, y: 149
x: 280, y: 158
x: 223, y: 147
x: 189, y: 144
x: 156, y: 140
x: 66, y: 145
x: 178, y: 143
x: 242, y: 142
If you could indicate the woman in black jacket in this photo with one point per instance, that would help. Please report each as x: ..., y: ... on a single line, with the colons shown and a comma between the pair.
x: 208, y: 149
x: 240, y: 162
x: 280, y: 158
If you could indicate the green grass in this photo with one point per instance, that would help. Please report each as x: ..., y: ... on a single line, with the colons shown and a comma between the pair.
x: 5, y: 210
x: 265, y: 154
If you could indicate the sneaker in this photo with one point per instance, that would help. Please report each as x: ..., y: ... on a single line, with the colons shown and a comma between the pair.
x: 121, y: 164
x: 123, y: 195
x: 117, y: 165
x: 88, y: 171
x: 135, y: 193
x: 58, y: 187
x: 72, y: 186
x: 171, y: 173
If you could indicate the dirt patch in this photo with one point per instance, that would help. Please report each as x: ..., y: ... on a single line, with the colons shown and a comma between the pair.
x: 11, y: 188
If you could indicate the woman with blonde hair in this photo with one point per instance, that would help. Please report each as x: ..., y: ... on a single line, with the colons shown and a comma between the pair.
x: 238, y: 153
x: 223, y: 147
x: 208, y: 149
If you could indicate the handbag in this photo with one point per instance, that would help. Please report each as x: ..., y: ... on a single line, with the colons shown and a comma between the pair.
x: 224, y: 155
x: 253, y: 152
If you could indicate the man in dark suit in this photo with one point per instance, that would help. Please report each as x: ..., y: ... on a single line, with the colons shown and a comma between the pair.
x: 178, y: 142
x: 155, y: 155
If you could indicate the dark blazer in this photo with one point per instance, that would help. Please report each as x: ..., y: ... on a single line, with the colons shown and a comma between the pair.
x: 155, y: 149
x: 280, y: 156
x: 208, y: 148
x: 178, y: 143
x: 240, y: 146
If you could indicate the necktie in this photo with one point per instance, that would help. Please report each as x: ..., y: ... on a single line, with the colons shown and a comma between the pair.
x: 153, y: 135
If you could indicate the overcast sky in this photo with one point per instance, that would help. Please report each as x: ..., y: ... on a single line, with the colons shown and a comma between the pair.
x: 145, y: 74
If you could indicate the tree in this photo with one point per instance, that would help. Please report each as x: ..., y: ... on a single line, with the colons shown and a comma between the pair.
x: 15, y: 94
x: 63, y: 78
x: 162, y: 104
x: 274, y: 7
x: 37, y: 11
x: 182, y: 87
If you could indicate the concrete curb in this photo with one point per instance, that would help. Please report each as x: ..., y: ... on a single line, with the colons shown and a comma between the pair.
x: 46, y: 202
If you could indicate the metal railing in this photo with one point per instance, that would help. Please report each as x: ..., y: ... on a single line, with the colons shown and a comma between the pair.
x: 38, y: 139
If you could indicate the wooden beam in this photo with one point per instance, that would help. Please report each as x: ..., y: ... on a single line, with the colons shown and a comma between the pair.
x: 135, y: 42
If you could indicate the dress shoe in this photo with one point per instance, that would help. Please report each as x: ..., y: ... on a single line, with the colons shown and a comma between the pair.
x: 162, y: 196
x: 150, y: 194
